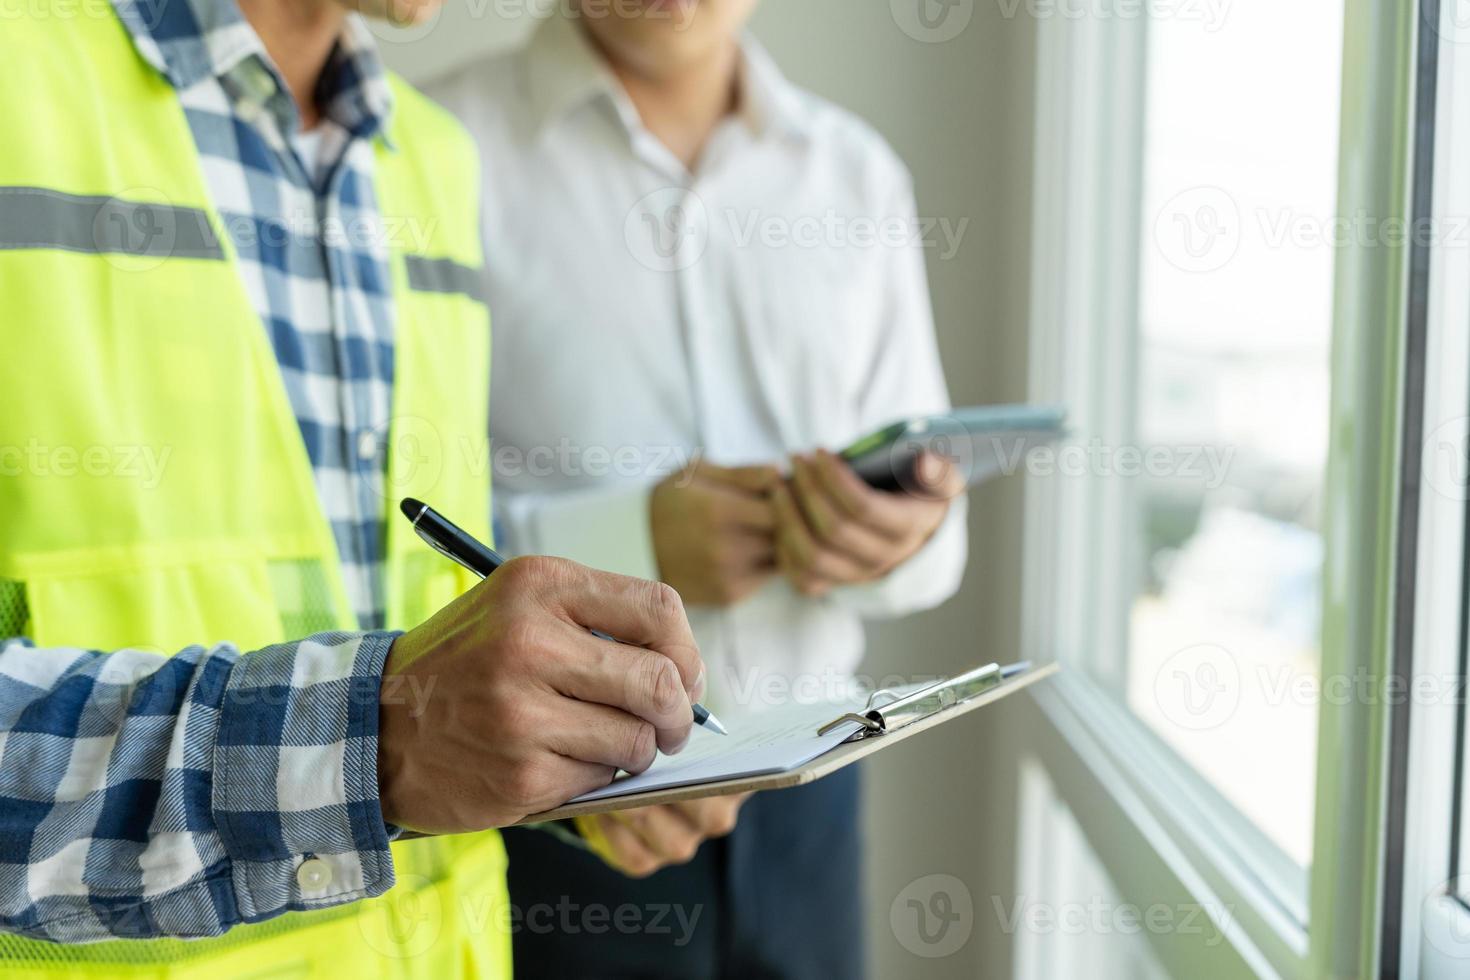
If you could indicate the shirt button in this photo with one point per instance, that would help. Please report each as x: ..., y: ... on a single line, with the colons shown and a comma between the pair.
x: 367, y: 445
x: 313, y: 875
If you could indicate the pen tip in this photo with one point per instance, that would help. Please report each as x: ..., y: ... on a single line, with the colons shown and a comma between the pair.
x: 411, y: 508
x: 713, y: 724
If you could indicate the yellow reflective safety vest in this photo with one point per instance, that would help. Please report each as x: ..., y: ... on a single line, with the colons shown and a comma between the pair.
x: 156, y: 491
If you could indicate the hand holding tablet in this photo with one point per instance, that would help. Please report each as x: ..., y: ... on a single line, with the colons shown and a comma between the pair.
x: 980, y: 442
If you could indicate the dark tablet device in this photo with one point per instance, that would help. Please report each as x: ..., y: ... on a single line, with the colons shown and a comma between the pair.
x: 981, y: 441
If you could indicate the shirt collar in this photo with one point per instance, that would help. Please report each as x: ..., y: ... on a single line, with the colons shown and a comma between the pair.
x: 769, y: 103
x: 565, y: 72
x: 188, y: 41
x: 354, y: 89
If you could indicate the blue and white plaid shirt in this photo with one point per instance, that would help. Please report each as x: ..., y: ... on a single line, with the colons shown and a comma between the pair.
x: 142, y: 795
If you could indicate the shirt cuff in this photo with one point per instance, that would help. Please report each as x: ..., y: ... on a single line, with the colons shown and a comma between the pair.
x: 295, y: 786
x: 606, y: 529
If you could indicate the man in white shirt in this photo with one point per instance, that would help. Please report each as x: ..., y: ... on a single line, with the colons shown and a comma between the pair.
x: 701, y: 278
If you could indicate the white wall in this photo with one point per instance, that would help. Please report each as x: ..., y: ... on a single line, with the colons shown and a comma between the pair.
x: 960, y: 113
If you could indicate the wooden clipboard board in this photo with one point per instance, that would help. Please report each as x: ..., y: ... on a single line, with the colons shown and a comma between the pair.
x: 843, y: 755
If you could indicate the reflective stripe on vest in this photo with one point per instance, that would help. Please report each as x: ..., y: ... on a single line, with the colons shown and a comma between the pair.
x: 37, y: 217
x: 125, y: 327
x: 443, y: 276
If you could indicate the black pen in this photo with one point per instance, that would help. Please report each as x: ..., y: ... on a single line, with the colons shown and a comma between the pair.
x: 454, y: 543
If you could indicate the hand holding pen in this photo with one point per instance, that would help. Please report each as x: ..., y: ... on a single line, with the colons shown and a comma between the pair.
x: 453, y: 542
x: 503, y: 705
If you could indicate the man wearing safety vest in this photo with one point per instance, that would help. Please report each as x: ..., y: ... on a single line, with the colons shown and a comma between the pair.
x: 237, y: 324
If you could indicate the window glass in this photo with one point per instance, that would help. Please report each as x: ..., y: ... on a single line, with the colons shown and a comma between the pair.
x: 1237, y: 242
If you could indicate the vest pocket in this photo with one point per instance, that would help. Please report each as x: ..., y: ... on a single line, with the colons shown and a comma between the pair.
x: 15, y: 613
x: 303, y: 595
x: 163, y: 608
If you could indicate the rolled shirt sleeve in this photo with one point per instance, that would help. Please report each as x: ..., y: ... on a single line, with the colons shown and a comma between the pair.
x: 143, y: 795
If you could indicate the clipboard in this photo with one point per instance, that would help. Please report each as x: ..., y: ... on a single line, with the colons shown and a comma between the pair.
x: 888, y: 718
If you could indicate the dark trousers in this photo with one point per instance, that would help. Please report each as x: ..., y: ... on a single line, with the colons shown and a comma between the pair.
x: 779, y: 898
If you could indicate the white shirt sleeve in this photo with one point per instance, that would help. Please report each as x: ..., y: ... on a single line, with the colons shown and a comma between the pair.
x: 604, y: 528
x: 906, y: 378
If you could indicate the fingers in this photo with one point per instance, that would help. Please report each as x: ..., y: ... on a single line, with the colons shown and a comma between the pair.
x: 745, y: 552
x: 639, y: 842
x: 715, y: 816
x: 751, y: 479
x: 904, y: 519
x: 554, y: 780
x: 636, y: 611
x: 937, y: 477
x: 794, y: 545
x: 821, y: 513
x: 599, y: 734
x: 741, y: 564
x: 800, y: 553
x: 640, y: 682
x: 833, y: 523
x: 617, y: 844
x: 731, y: 505
x: 858, y: 501
x: 735, y: 509
x: 832, y: 528
x: 666, y: 831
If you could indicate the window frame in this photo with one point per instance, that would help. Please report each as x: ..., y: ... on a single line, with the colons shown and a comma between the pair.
x: 1430, y: 917
x: 1089, y: 92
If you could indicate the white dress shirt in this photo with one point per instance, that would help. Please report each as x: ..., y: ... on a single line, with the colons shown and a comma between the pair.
x: 772, y: 301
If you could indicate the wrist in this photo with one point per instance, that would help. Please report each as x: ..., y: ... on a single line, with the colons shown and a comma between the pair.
x: 396, y: 725
x: 658, y: 521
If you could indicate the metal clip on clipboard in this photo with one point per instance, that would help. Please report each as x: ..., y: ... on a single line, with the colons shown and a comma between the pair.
x: 880, y: 716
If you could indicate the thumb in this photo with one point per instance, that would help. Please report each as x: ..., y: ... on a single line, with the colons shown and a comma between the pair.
x: 938, y: 477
